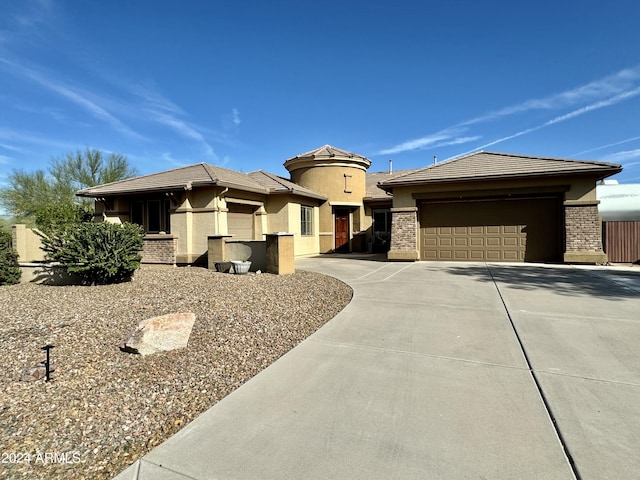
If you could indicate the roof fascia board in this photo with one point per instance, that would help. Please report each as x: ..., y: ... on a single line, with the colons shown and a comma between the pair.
x: 242, y: 201
x: 244, y: 188
x: 298, y: 193
x: 599, y: 173
x: 141, y: 191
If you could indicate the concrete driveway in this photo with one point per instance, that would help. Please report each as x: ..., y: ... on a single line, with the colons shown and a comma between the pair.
x: 439, y: 371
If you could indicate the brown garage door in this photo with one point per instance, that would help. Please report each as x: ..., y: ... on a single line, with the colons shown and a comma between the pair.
x: 491, y: 230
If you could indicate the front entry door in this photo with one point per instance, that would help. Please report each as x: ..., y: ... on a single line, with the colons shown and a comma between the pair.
x: 342, y: 232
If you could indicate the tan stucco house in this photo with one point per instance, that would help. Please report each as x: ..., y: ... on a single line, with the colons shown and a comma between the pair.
x: 483, y: 206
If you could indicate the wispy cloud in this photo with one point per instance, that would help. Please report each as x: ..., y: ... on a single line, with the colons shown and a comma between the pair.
x: 622, y: 157
x: 35, y: 13
x: 157, y: 108
x: 10, y: 148
x: 620, y: 97
x: 152, y: 99
x: 185, y: 130
x: 30, y: 23
x: 602, y: 147
x: 10, y: 136
x: 72, y: 94
x: 443, y: 137
x: 604, y: 92
x: 563, y: 118
x: 167, y: 157
x: 235, y: 117
x: 610, y: 85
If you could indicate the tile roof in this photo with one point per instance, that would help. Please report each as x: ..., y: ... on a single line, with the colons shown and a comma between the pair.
x: 327, y: 151
x: 183, y: 178
x: 201, y: 174
x: 489, y: 165
x: 276, y: 184
x: 373, y: 191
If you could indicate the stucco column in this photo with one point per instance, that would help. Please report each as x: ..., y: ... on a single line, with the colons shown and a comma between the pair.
x: 279, y: 252
x: 216, y: 250
x: 404, y: 234
x: 583, y: 232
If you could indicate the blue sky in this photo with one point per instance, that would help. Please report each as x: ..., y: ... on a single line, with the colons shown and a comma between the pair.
x: 246, y: 85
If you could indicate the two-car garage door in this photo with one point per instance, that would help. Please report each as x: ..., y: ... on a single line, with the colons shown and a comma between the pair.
x: 523, y: 229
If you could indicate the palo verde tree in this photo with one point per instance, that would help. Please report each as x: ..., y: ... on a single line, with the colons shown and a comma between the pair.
x: 90, y: 168
x: 47, y: 198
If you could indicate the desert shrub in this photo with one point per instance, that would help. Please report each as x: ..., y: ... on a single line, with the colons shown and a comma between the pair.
x: 100, y: 253
x: 9, y: 269
x: 54, y: 217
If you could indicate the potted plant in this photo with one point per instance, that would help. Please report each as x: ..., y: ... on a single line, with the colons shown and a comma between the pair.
x: 223, y: 267
x: 241, y: 267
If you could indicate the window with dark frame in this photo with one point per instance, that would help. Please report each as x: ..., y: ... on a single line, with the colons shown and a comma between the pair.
x: 153, y: 215
x: 381, y: 229
x: 306, y: 220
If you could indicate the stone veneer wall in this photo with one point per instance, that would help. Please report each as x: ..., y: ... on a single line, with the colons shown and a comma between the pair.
x: 583, y: 228
x: 404, y: 234
x: 160, y: 249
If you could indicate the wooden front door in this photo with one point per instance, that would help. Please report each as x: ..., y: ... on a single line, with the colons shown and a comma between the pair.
x: 342, y: 232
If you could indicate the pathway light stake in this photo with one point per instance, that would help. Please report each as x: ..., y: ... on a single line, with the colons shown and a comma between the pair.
x: 47, y: 362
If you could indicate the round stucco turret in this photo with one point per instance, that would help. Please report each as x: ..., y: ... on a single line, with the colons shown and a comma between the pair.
x: 336, y: 173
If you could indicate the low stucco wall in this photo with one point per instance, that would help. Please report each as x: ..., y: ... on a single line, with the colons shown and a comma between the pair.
x: 273, y: 255
x: 224, y: 249
x: 27, y: 243
x: 253, y: 250
x: 46, y: 274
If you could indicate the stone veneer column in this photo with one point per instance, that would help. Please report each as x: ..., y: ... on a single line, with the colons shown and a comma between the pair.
x: 583, y: 233
x: 159, y: 249
x: 404, y: 234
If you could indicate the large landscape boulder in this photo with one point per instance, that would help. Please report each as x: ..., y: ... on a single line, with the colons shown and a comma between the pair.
x: 160, y: 334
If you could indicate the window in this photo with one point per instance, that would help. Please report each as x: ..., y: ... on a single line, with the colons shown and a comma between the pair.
x: 137, y: 213
x: 306, y: 220
x: 153, y: 215
x: 347, y: 183
x: 381, y: 229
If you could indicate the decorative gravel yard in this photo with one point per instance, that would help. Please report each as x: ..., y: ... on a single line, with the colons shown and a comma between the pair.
x: 104, y: 408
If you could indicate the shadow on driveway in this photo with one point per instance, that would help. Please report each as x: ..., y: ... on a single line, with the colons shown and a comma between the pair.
x: 561, y: 280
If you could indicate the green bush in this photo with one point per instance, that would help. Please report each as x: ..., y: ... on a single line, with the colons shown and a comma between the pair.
x: 100, y: 253
x: 57, y: 216
x: 9, y: 269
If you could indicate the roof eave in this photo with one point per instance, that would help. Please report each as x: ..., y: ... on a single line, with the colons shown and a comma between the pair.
x: 244, y: 188
x: 172, y: 188
x: 378, y: 199
x: 599, y: 173
x: 298, y: 193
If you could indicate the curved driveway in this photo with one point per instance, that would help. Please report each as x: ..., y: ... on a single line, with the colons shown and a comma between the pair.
x: 437, y: 371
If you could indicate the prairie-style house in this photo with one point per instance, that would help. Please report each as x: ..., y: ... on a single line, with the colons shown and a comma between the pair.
x: 480, y: 207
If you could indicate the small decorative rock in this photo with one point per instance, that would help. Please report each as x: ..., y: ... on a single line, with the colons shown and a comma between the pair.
x: 37, y: 372
x: 160, y: 334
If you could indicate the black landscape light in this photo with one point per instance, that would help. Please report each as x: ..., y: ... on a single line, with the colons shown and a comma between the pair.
x: 47, y: 362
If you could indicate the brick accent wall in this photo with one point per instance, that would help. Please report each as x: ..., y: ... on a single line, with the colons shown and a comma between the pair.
x: 404, y: 230
x: 160, y: 249
x: 583, y: 228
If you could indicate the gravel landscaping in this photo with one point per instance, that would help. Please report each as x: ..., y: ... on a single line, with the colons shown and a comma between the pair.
x: 104, y: 408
